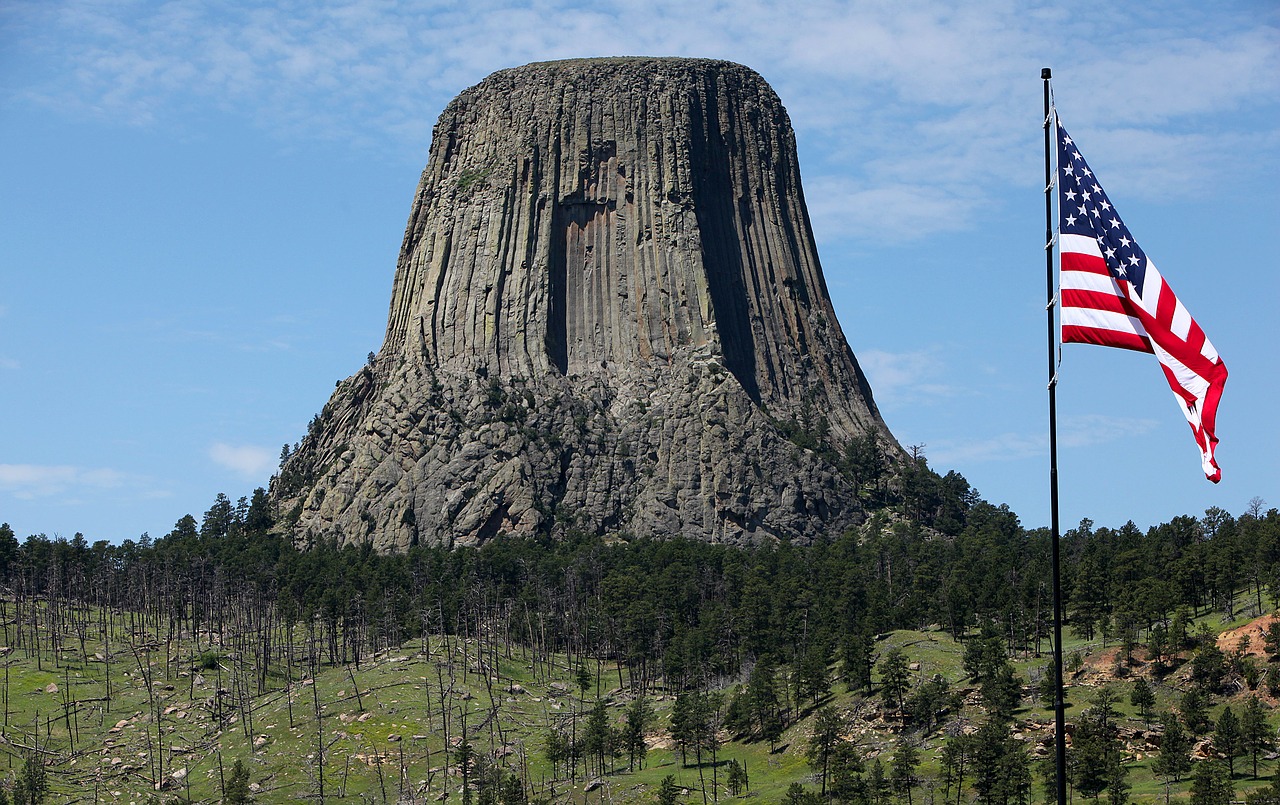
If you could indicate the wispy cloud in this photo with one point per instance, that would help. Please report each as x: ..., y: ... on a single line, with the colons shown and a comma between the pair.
x: 1091, y: 429
x: 920, y: 107
x: 898, y: 377
x: 28, y: 481
x: 1075, y: 431
x: 249, y: 461
x: 1001, y: 447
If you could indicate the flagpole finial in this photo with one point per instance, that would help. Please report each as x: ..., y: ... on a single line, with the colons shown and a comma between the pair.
x: 1046, y: 73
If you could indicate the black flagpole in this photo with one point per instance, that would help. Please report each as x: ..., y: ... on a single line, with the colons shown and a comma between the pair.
x: 1059, y: 705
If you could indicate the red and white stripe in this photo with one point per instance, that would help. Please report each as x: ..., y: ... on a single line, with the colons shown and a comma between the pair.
x: 1098, y: 309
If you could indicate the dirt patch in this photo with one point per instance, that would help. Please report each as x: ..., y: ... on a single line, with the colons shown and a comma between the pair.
x: 1255, y: 630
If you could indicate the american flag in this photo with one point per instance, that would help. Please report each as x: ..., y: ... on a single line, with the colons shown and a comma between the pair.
x: 1113, y: 295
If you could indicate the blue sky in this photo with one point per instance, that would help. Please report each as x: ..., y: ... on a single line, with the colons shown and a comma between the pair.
x: 201, y: 204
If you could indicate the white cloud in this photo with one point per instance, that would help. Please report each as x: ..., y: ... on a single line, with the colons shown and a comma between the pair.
x: 924, y: 108
x: 246, y: 460
x: 899, y: 376
x: 28, y: 481
x: 1002, y: 447
x: 888, y: 212
x: 1091, y: 429
x: 1075, y: 431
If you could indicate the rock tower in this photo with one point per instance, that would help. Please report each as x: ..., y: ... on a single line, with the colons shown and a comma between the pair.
x: 608, y: 314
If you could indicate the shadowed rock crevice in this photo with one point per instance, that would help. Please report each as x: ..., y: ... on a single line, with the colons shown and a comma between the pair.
x: 607, y: 299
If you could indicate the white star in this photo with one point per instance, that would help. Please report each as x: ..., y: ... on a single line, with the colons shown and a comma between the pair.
x: 1066, y: 139
x: 1120, y: 270
x: 1133, y: 260
x: 1114, y: 223
x: 1070, y: 169
x: 1087, y: 173
x: 1094, y: 212
x: 1106, y: 205
x: 1110, y: 252
x: 1096, y: 189
x: 1071, y: 220
x: 1075, y: 155
x: 1082, y: 210
x: 1071, y: 195
x: 1124, y: 241
x: 1086, y: 195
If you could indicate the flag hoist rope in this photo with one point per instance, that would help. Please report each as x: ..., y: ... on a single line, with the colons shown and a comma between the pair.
x: 1059, y: 705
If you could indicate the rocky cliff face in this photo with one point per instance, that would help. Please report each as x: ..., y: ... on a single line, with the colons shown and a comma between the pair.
x: 608, y: 314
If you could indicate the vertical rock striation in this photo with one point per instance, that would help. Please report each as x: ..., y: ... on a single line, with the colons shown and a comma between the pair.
x: 607, y: 305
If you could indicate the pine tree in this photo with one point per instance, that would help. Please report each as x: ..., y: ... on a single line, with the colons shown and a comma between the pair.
x: 1211, y: 784
x: 1174, y: 759
x: 1142, y: 698
x: 1195, y: 711
x: 822, y: 746
x: 1256, y: 735
x: 668, y: 791
x: 902, y: 772
x: 895, y: 678
x: 638, y: 716
x: 1096, y: 763
x: 237, y: 788
x: 1227, y: 738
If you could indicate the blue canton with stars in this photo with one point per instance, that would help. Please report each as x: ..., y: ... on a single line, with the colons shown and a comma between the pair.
x: 1084, y: 209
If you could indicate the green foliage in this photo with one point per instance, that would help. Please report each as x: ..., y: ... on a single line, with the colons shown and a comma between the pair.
x: 1002, y: 768
x: 32, y: 784
x: 827, y: 727
x: 736, y: 778
x: 1211, y: 784
x: 1195, y: 711
x: 668, y: 791
x: 1174, y: 759
x: 1142, y: 698
x: 237, y: 788
x: 1228, y: 741
x: 902, y: 772
x: 1256, y: 735
x: 895, y: 678
x: 1096, y: 761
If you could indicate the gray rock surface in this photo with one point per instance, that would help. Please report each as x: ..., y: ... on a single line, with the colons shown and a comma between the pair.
x: 608, y: 314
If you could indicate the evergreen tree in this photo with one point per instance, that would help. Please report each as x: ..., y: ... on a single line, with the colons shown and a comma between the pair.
x: 857, y: 660
x: 1142, y: 698
x: 1096, y: 760
x: 1174, y: 759
x: 812, y: 680
x: 1256, y: 735
x: 32, y: 786
x: 928, y: 702
x: 736, y: 779
x: 827, y: 727
x: 638, y: 716
x: 1195, y: 711
x: 1211, y: 784
x: 902, y: 772
x: 895, y: 678
x: 668, y: 791
x: 596, y: 736
x: 878, y: 786
x: 957, y: 759
x: 1002, y: 692
x: 763, y: 701
x: 1002, y: 769
x: 1227, y: 738
x: 237, y: 789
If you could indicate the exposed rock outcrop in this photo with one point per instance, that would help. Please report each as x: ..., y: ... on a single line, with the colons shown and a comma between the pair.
x: 608, y: 313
